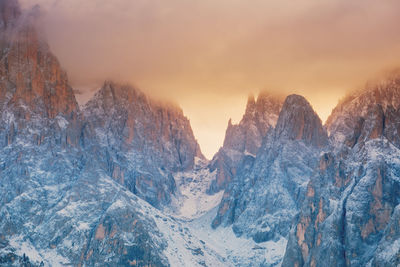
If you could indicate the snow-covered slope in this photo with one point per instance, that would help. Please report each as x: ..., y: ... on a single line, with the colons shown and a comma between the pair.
x: 85, y: 217
x: 191, y: 199
x: 237, y: 251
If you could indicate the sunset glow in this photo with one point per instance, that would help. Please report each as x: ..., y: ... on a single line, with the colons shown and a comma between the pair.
x: 207, y: 56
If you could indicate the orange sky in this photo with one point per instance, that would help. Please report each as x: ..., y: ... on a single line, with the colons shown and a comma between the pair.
x: 209, y: 55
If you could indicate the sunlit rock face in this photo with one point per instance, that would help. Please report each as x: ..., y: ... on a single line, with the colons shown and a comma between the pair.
x: 139, y: 141
x: 31, y: 76
x: 350, y: 216
x: 35, y: 97
x: 267, y: 192
x: 245, y: 138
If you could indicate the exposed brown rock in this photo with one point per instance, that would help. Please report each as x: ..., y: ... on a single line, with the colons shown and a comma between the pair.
x: 100, y: 232
x: 321, y: 214
x: 298, y: 121
x: 300, y: 234
x: 33, y: 75
x: 368, y: 229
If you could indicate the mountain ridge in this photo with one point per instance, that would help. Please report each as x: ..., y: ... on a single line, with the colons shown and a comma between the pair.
x: 98, y: 185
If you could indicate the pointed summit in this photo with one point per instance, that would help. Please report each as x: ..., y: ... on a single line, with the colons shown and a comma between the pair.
x: 157, y: 137
x: 266, y: 191
x: 245, y: 138
x: 32, y: 75
x: 298, y: 121
x: 347, y: 117
x: 251, y: 104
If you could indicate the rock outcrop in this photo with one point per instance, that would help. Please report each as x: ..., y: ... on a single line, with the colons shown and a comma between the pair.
x: 244, y: 138
x: 35, y: 97
x: 350, y: 214
x: 345, y: 122
x: 139, y: 141
x: 32, y: 78
x: 267, y: 192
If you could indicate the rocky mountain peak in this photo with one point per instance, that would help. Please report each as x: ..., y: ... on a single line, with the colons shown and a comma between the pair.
x: 266, y: 191
x: 245, y: 138
x: 113, y: 94
x: 145, y: 140
x: 259, y: 117
x: 298, y: 121
x: 351, y: 205
x: 251, y: 105
x: 10, y: 11
x: 345, y: 122
x: 35, y: 82
x: 262, y: 110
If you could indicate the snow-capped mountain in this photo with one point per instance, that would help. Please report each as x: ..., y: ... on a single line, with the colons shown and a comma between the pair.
x: 351, y: 212
x: 244, y: 138
x: 68, y: 177
x: 139, y: 141
x: 266, y: 193
x: 122, y: 181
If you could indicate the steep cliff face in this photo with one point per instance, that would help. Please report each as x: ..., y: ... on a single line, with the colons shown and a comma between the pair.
x: 298, y: 121
x: 266, y: 194
x: 37, y: 106
x: 351, y: 210
x: 33, y: 78
x: 140, y: 142
x: 54, y: 207
x: 35, y: 97
x: 245, y: 138
x: 64, y: 178
x: 345, y: 122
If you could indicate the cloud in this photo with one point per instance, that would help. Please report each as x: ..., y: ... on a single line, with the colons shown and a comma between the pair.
x: 208, y: 55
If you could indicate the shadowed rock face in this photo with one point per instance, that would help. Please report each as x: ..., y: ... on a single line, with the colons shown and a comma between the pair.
x: 266, y: 194
x: 140, y: 142
x: 35, y: 97
x: 245, y: 138
x: 350, y: 216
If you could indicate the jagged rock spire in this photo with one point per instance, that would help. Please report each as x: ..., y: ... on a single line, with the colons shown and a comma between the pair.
x: 246, y: 137
x: 33, y: 75
x: 266, y: 192
x: 298, y: 121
